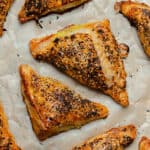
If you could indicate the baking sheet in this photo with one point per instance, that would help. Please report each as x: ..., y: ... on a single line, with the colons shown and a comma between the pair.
x: 14, y: 51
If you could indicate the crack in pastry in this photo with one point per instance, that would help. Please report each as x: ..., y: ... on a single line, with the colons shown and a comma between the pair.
x: 4, y: 8
x: 7, y: 141
x: 53, y: 107
x: 139, y: 16
x: 88, y: 53
x: 35, y: 9
x: 114, y: 139
x: 144, y: 143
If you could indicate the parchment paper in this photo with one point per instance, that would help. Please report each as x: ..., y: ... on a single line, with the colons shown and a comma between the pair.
x: 14, y: 51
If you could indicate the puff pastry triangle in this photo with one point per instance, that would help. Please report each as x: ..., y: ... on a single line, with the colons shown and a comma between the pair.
x: 139, y: 16
x: 114, y: 139
x: 7, y: 141
x: 35, y: 9
x: 144, y: 143
x: 4, y: 8
x: 53, y: 107
x: 88, y: 53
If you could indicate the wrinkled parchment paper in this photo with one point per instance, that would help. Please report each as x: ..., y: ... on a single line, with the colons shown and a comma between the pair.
x: 14, y: 51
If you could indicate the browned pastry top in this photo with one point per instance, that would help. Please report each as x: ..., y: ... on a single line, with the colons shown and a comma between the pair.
x: 4, y: 8
x: 7, y: 141
x: 144, y: 143
x: 34, y: 9
x: 53, y: 107
x: 114, y: 139
x: 88, y: 53
x: 139, y: 16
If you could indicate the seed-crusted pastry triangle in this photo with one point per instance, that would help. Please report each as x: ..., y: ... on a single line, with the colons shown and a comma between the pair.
x: 35, y: 9
x: 139, y: 16
x: 114, y: 139
x: 7, y: 141
x: 144, y: 143
x: 53, y: 107
x: 88, y: 53
x: 4, y: 8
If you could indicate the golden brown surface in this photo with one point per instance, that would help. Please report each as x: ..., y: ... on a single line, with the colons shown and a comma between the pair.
x: 7, y: 141
x: 34, y: 9
x: 4, y: 8
x: 88, y: 53
x: 144, y: 144
x: 114, y: 139
x: 53, y: 107
x: 139, y: 16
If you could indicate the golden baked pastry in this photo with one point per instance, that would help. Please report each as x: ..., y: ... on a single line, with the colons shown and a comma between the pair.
x: 35, y: 9
x: 144, y: 143
x: 88, y: 53
x: 4, y: 8
x: 139, y: 16
x: 7, y: 141
x: 53, y: 107
x: 114, y: 139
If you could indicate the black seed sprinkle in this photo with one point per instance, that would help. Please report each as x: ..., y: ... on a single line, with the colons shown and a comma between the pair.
x: 57, y: 17
x: 41, y: 21
x: 56, y: 40
x: 39, y: 24
x: 4, y: 29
